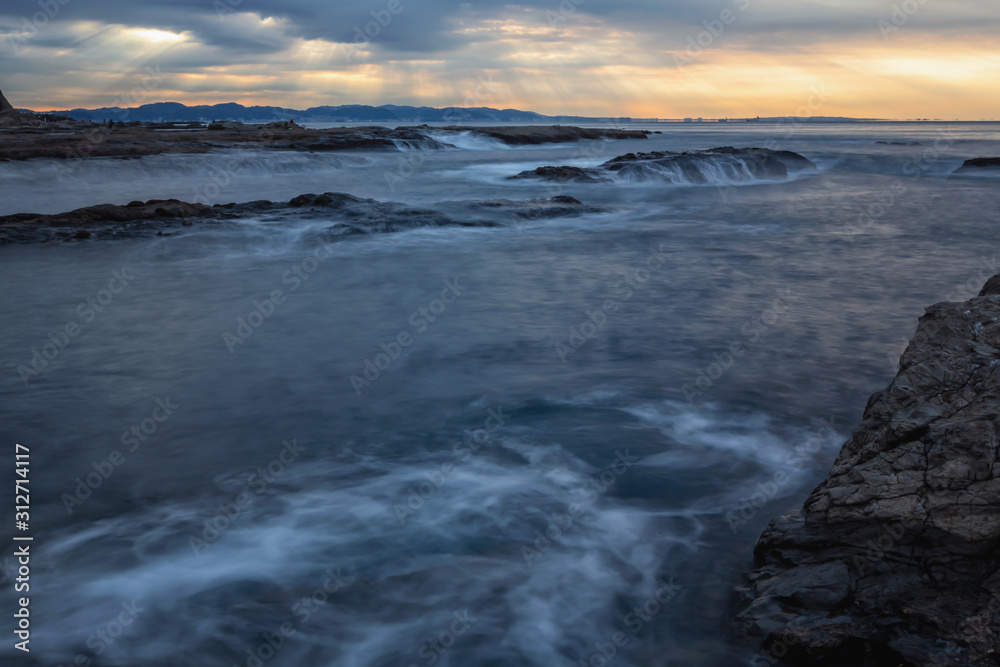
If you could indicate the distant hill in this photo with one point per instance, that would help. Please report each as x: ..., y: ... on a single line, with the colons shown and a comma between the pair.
x: 353, y: 113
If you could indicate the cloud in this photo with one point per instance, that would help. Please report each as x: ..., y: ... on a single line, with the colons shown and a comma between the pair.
x: 556, y: 56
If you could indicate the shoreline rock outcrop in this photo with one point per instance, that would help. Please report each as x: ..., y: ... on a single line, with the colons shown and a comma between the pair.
x: 348, y: 215
x: 894, y: 560
x: 713, y: 166
x: 83, y: 139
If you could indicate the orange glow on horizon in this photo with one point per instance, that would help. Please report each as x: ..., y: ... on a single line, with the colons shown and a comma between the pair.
x: 581, y: 71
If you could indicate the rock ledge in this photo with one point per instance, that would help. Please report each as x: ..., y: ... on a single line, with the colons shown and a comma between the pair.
x: 895, y: 559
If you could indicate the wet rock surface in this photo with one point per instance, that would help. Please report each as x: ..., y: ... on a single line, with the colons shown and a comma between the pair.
x: 895, y: 558
x: 565, y: 175
x: 348, y: 215
x: 68, y: 139
x: 713, y: 166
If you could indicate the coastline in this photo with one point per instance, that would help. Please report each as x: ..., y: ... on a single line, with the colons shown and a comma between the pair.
x: 70, y: 140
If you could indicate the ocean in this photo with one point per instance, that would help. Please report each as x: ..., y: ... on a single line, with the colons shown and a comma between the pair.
x: 548, y: 442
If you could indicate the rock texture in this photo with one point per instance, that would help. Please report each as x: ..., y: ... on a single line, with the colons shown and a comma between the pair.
x: 895, y: 559
x: 348, y: 215
x: 713, y: 166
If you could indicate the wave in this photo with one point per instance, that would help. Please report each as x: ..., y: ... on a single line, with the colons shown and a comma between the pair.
x: 345, y: 216
x: 468, y: 141
x: 461, y: 549
x: 426, y: 144
x: 409, y: 541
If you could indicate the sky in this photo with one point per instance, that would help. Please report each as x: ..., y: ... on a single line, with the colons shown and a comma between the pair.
x: 639, y: 58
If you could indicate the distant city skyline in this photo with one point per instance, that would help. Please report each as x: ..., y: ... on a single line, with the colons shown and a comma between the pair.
x: 639, y: 58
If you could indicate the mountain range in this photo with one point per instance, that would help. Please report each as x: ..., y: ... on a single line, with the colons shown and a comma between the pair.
x: 172, y: 112
x: 176, y: 112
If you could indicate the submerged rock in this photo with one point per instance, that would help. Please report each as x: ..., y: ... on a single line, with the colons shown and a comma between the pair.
x: 714, y: 166
x: 895, y: 558
x: 979, y: 166
x: 347, y: 214
x: 565, y: 175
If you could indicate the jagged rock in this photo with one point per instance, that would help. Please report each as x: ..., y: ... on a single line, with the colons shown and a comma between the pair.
x: 895, y: 558
x: 11, y: 117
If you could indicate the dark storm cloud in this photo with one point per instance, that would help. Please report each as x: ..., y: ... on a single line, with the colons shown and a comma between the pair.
x: 581, y: 56
x: 434, y: 26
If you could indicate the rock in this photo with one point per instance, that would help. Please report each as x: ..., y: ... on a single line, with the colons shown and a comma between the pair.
x: 71, y: 139
x: 564, y: 175
x: 979, y: 166
x: 894, y: 559
x: 715, y: 166
x: 11, y: 117
x: 503, y: 210
x: 227, y: 125
x: 348, y: 215
x: 549, y: 134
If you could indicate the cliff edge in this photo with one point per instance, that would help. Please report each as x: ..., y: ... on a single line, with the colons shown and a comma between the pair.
x: 894, y: 560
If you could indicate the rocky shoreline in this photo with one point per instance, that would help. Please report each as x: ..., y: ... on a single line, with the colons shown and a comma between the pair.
x: 894, y: 560
x: 348, y: 215
x: 61, y: 138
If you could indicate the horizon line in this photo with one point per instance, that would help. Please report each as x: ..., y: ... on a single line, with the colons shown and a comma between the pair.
x: 684, y: 119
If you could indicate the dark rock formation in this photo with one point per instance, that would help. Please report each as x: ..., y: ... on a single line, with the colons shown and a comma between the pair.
x: 979, y: 166
x: 715, y: 166
x: 506, y: 211
x: 895, y: 558
x: 565, y: 175
x: 85, y: 139
x: 550, y: 134
x: 11, y: 117
x: 348, y: 215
